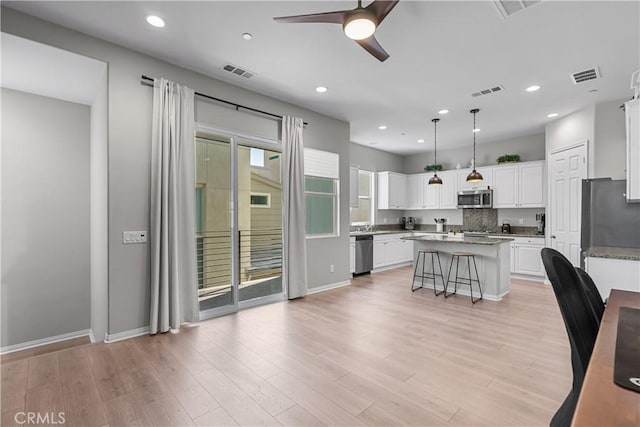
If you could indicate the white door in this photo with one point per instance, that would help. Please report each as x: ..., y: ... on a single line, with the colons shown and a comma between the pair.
x: 567, y: 169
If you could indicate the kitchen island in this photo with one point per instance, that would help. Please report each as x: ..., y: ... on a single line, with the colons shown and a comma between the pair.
x: 493, y: 258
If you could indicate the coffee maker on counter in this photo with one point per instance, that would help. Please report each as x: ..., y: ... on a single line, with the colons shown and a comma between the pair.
x: 409, y: 223
x: 540, y: 221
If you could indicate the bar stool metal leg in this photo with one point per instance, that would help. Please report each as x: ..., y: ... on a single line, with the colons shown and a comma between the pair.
x: 475, y: 266
x: 415, y: 271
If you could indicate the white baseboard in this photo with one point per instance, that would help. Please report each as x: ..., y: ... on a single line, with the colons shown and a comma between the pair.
x: 466, y: 293
x: 91, y: 336
x: 527, y: 277
x: 44, y: 341
x: 119, y: 336
x: 391, y: 267
x: 328, y: 287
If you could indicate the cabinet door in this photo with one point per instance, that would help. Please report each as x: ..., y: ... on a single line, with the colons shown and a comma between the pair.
x: 407, y: 251
x: 513, y: 257
x: 353, y: 186
x: 414, y: 191
x: 379, y: 253
x: 532, y: 185
x: 448, y: 190
x: 352, y: 257
x: 505, y: 192
x: 430, y: 194
x: 528, y: 260
x: 632, y: 115
x: 487, y: 181
x: 397, y: 191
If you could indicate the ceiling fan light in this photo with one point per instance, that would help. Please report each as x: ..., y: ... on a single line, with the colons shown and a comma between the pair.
x: 435, y: 180
x: 360, y: 25
x: 475, y: 176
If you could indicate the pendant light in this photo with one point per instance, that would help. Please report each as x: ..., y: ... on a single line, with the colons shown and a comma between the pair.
x: 435, y: 179
x: 474, y: 176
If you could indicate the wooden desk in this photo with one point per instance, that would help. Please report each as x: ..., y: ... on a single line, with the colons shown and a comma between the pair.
x: 602, y: 402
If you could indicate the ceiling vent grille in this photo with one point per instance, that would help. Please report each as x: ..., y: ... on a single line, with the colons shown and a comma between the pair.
x: 238, y: 71
x: 507, y: 8
x: 493, y: 89
x: 585, y: 76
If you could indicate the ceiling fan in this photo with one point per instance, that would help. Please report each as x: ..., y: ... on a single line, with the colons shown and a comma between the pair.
x: 358, y: 24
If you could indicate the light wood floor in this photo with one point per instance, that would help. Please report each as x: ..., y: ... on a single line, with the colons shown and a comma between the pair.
x: 369, y: 354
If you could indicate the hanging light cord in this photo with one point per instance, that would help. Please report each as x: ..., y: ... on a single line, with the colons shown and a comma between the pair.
x: 435, y: 145
x: 474, y: 140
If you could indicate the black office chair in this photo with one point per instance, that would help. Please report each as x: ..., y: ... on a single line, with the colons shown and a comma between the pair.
x: 592, y: 293
x: 579, y: 321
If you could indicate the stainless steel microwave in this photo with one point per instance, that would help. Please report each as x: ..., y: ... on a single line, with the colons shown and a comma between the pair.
x: 475, y: 199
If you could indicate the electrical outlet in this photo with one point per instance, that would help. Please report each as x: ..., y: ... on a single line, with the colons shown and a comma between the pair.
x: 520, y: 221
x: 332, y: 269
x: 131, y: 237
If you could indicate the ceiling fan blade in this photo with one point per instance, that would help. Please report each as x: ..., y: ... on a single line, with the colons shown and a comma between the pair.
x: 325, y: 18
x: 372, y: 46
x: 381, y: 8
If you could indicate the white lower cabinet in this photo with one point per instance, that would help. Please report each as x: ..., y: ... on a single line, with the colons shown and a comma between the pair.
x: 352, y: 254
x: 390, y: 249
x: 608, y: 273
x: 525, y: 256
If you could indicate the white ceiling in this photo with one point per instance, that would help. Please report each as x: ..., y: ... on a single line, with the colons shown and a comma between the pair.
x: 43, y: 70
x: 441, y: 52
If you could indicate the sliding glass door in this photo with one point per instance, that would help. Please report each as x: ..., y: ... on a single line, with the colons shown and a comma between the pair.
x: 238, y: 222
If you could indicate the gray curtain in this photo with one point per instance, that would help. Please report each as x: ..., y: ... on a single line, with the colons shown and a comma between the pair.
x: 295, y: 254
x: 174, y: 296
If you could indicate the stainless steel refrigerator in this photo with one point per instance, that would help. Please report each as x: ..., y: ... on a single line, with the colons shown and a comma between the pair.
x: 607, y: 219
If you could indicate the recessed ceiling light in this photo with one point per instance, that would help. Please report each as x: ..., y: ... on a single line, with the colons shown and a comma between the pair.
x: 420, y: 141
x: 552, y: 115
x: 156, y: 21
x: 593, y: 90
x: 476, y: 130
x: 533, y: 88
x: 372, y: 143
x: 443, y: 111
x: 382, y: 127
x: 321, y: 89
x: 247, y: 36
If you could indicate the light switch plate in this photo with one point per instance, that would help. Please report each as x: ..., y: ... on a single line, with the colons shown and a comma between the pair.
x: 131, y: 237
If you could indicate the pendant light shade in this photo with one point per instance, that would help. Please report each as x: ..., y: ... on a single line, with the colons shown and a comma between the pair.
x: 435, y: 179
x: 474, y: 176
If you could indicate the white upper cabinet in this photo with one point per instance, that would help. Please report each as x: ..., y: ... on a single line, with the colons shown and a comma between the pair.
x: 392, y: 190
x: 430, y: 194
x: 353, y: 186
x: 519, y: 185
x: 532, y: 185
x: 505, y: 194
x: 448, y: 190
x: 632, y: 116
x: 487, y: 175
x: 414, y: 191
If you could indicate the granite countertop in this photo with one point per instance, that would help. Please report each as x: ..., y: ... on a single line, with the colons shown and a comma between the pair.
x: 460, y: 239
x: 378, y: 232
x: 539, y: 236
x: 632, y: 254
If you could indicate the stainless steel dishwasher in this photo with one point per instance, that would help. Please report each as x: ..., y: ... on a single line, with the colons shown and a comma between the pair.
x: 364, y: 254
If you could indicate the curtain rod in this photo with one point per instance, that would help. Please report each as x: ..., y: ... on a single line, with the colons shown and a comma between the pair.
x: 148, y: 81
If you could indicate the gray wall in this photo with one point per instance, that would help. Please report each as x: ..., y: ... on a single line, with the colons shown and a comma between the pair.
x: 45, y: 217
x: 528, y: 147
x: 130, y: 105
x: 377, y: 161
x: 610, y: 141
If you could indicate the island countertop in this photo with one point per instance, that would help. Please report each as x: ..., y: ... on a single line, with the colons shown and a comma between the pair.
x: 444, y: 238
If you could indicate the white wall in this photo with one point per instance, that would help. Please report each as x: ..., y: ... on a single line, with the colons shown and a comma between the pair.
x: 529, y: 148
x: 45, y: 217
x: 610, y: 141
x: 572, y: 129
x: 130, y: 105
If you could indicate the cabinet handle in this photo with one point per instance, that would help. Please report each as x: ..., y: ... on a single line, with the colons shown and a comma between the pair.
x: 553, y: 237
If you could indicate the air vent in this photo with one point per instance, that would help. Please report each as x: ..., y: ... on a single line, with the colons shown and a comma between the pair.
x: 585, y: 76
x: 238, y: 71
x: 488, y: 91
x: 507, y: 8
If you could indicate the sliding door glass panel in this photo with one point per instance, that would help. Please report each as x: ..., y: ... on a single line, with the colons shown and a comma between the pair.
x: 259, y: 222
x: 214, y: 215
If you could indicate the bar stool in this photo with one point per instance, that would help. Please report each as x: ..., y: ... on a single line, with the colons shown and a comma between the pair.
x: 428, y: 275
x: 463, y: 280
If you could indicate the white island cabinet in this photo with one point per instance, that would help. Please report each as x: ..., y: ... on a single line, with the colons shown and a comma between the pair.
x: 492, y: 255
x: 391, y: 250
